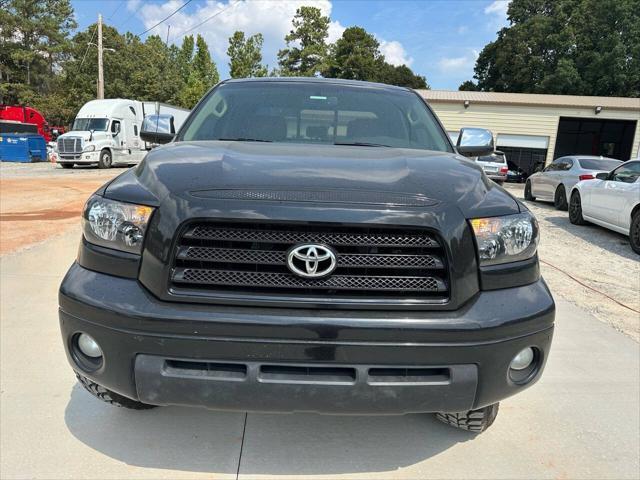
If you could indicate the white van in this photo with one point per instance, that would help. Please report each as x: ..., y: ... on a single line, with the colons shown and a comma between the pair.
x: 107, y: 132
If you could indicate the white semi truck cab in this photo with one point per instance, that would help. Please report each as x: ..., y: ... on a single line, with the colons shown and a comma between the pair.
x: 107, y: 132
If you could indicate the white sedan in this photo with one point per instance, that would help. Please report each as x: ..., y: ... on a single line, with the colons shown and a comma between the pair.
x: 612, y: 201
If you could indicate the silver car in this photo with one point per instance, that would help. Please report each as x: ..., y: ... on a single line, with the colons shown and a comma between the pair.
x: 494, y: 166
x: 555, y: 182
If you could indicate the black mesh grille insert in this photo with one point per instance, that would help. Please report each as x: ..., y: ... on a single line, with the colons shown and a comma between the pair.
x: 251, y: 259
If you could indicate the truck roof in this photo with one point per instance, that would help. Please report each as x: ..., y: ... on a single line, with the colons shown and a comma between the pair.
x: 334, y: 81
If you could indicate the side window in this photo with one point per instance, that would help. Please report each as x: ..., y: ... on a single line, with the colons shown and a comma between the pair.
x: 135, y: 130
x: 567, y: 164
x: 627, y: 173
x: 115, y: 127
x: 552, y: 167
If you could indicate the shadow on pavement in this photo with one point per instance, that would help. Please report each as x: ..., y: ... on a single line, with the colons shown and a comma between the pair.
x: 198, y: 440
x: 612, y: 242
x: 308, y: 444
x: 165, y: 438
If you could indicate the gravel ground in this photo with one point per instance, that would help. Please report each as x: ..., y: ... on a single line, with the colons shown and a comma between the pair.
x: 594, y: 256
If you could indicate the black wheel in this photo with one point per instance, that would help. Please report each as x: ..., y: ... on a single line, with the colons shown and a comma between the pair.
x: 575, y: 210
x: 108, y: 396
x: 473, y: 420
x: 527, y: 192
x: 66, y: 165
x: 560, y: 198
x: 105, y: 159
x: 634, y: 232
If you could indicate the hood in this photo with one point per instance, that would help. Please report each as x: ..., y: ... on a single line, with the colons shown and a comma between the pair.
x: 195, y: 168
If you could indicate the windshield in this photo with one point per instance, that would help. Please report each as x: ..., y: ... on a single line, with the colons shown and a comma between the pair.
x: 599, y: 164
x: 320, y: 113
x: 87, y: 124
x: 493, y: 158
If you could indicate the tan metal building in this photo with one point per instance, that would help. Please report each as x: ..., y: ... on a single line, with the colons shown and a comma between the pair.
x: 534, y: 129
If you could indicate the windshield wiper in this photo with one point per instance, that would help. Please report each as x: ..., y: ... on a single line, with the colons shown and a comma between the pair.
x: 242, y: 139
x: 361, y: 144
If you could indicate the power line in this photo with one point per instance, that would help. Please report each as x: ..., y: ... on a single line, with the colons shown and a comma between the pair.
x: 132, y: 15
x: 117, y: 8
x: 166, y: 18
x: 88, y: 46
x: 207, y: 19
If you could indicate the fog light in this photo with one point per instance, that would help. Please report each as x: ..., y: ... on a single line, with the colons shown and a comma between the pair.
x: 523, y: 359
x: 89, y: 346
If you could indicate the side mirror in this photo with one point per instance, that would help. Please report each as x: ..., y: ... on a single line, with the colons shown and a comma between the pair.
x: 602, y: 176
x: 158, y: 129
x: 475, y: 142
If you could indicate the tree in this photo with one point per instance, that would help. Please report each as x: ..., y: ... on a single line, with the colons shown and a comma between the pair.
x: 580, y: 47
x: 354, y: 56
x: 400, y: 75
x: 245, y: 56
x: 306, y: 49
x: 33, y: 42
x: 468, y: 86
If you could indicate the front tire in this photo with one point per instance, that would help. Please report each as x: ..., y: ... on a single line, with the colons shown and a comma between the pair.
x: 634, y: 232
x: 105, y: 159
x: 560, y: 199
x: 110, y: 397
x: 527, y: 192
x: 575, y: 210
x: 473, y: 421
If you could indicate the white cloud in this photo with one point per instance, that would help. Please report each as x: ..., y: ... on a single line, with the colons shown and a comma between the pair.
x: 459, y: 64
x: 271, y: 18
x: 498, y: 11
x: 394, y: 53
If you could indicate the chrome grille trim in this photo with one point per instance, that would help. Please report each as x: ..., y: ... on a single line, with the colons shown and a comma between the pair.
x: 70, y: 145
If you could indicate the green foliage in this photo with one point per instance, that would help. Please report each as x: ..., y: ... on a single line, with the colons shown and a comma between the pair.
x: 356, y: 56
x: 580, y: 47
x: 400, y: 75
x: 468, y: 86
x: 306, y: 50
x: 33, y: 41
x: 245, y: 56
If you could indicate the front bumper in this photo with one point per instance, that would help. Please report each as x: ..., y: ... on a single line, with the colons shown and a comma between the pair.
x: 85, y: 157
x: 321, y: 360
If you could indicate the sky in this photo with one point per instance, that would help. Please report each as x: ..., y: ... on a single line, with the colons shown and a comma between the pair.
x: 436, y: 38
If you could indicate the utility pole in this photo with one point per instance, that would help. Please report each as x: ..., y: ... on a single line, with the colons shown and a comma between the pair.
x: 100, y: 72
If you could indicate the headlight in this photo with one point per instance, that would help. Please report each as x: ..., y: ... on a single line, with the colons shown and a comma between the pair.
x: 90, y: 148
x: 506, y: 239
x: 113, y: 224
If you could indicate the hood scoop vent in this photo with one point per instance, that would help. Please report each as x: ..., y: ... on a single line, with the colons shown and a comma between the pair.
x: 364, y: 197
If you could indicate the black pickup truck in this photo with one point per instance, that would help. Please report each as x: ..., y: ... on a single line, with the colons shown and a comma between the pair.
x: 308, y: 245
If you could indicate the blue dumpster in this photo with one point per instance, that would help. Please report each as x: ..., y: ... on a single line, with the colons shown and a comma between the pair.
x: 22, y: 147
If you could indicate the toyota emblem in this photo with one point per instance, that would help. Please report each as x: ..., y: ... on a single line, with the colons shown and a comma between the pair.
x: 311, y: 260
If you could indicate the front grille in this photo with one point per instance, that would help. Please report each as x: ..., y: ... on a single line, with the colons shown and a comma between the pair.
x: 372, y: 263
x: 70, y: 145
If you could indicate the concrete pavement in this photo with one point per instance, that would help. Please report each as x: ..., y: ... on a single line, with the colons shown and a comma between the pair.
x: 580, y: 421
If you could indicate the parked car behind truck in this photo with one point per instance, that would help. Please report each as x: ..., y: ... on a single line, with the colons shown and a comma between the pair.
x: 556, y: 181
x: 611, y: 200
x: 309, y: 245
x: 107, y: 132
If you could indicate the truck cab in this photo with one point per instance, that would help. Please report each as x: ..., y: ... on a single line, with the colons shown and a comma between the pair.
x: 107, y: 132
